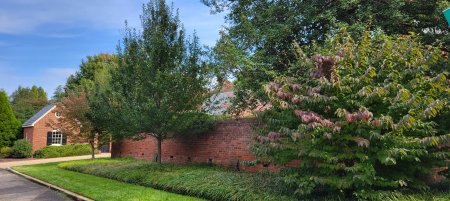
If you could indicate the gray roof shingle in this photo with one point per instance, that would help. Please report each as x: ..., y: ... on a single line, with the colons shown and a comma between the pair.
x: 38, y: 115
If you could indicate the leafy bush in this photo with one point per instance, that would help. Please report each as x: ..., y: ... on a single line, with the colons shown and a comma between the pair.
x: 5, y: 152
x: 205, y: 181
x: 22, y: 149
x: 62, y: 151
x: 368, y: 114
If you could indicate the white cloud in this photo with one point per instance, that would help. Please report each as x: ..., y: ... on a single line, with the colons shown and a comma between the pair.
x: 32, y: 16
x: 25, y: 16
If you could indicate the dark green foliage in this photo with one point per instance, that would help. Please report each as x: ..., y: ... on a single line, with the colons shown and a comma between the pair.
x: 63, y: 151
x: 5, y: 152
x: 27, y: 101
x: 22, y: 149
x: 193, y: 123
x: 212, y: 183
x: 264, y: 31
x: 367, y: 112
x: 160, y: 81
x: 9, y: 125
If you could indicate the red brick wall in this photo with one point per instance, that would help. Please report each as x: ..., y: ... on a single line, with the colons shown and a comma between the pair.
x: 225, y: 145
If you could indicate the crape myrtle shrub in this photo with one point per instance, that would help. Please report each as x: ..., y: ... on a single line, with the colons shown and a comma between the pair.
x: 368, y: 111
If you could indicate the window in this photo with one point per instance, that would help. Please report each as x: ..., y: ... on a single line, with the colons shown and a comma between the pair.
x: 58, y: 114
x: 57, y: 137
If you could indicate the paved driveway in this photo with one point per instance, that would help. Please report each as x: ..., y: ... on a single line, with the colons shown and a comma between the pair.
x: 49, y: 160
x: 17, y: 188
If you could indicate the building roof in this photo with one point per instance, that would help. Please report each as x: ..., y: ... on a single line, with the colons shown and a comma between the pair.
x: 38, y: 116
x: 219, y: 103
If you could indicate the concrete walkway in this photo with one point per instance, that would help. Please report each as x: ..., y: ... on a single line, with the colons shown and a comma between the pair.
x: 17, y: 188
x: 49, y: 160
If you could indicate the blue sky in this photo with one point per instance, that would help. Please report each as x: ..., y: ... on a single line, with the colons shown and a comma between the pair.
x: 42, y: 42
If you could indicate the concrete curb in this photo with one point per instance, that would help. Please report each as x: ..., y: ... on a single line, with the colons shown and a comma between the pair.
x: 51, y: 186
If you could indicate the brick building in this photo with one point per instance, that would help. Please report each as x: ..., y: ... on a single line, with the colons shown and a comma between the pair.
x: 38, y: 131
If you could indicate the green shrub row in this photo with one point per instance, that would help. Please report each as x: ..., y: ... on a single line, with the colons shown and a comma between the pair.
x: 62, y: 151
x: 210, y: 182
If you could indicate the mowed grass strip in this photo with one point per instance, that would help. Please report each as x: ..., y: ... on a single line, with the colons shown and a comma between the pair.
x: 97, y: 188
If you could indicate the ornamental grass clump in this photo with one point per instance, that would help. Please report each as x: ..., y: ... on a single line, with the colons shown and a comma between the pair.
x: 369, y: 114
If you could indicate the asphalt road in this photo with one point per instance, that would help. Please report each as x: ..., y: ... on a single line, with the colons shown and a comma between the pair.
x: 17, y: 188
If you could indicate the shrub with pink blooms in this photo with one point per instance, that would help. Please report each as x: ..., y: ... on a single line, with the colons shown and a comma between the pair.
x: 368, y: 115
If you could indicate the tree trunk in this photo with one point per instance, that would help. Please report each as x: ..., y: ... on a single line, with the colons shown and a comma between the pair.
x: 92, y: 150
x: 159, y: 154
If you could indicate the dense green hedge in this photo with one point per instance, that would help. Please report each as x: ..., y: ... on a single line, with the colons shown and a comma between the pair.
x: 212, y: 183
x: 62, y: 151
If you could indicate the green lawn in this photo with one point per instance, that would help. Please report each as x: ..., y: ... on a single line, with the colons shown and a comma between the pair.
x: 97, y: 188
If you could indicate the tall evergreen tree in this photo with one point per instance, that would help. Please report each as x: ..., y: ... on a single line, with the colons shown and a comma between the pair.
x: 160, y: 82
x: 27, y: 101
x: 9, y: 125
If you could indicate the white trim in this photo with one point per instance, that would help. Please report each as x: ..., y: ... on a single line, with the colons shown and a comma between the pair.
x: 42, y: 116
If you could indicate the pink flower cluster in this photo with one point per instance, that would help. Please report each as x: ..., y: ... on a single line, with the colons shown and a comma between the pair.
x: 315, y: 120
x: 271, y: 137
x: 324, y: 65
x: 275, y: 87
x: 313, y: 91
x: 282, y: 94
x: 363, y: 115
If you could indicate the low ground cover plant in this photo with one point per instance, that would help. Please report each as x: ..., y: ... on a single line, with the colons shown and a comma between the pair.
x: 210, y: 182
x: 22, y: 149
x: 62, y: 151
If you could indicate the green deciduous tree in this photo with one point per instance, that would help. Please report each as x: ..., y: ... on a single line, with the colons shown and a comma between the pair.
x: 9, y: 125
x: 72, y: 101
x: 75, y: 122
x: 368, y: 114
x: 84, y: 78
x: 160, y: 83
x: 266, y: 30
x: 27, y: 101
